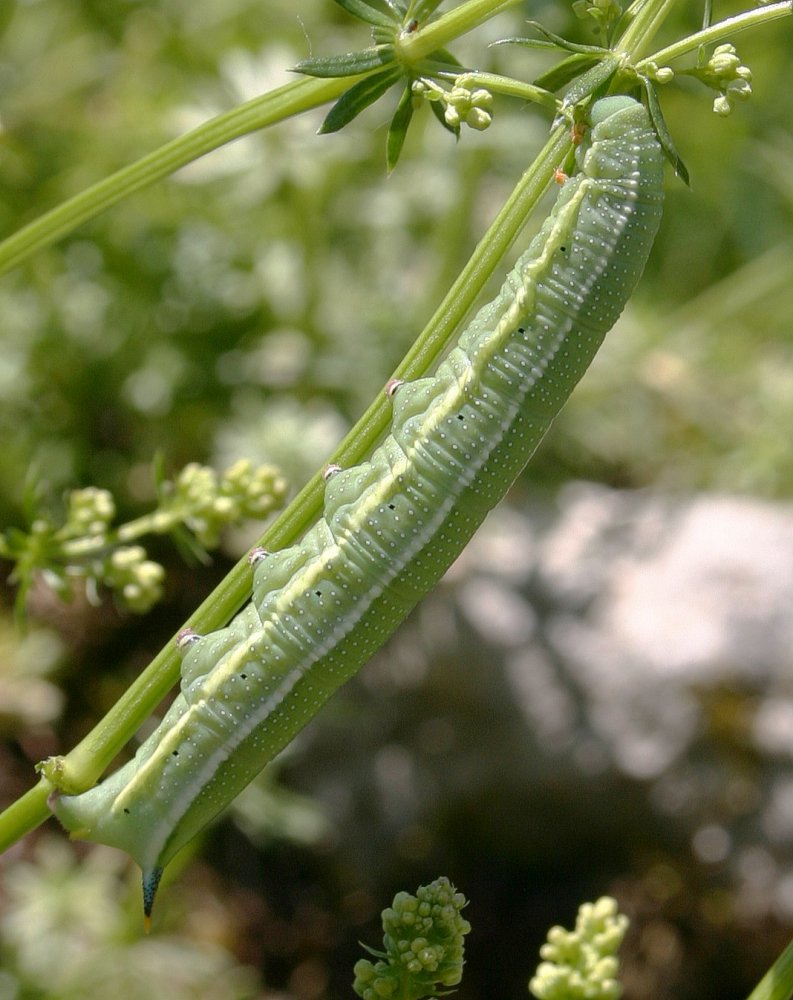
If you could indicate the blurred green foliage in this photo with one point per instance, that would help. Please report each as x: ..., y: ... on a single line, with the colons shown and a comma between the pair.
x: 204, y: 316
x: 254, y: 304
x: 64, y: 935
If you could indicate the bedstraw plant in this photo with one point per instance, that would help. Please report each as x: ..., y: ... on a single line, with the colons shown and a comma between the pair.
x: 410, y: 68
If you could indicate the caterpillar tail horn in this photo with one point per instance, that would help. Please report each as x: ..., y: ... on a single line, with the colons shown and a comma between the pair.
x: 151, y: 880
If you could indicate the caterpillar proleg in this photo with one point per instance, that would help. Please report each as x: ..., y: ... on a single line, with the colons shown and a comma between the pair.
x: 392, y: 525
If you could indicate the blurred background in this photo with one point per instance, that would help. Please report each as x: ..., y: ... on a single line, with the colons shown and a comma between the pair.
x: 597, y: 699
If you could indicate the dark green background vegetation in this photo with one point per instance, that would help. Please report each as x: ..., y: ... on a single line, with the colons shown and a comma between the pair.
x: 253, y: 305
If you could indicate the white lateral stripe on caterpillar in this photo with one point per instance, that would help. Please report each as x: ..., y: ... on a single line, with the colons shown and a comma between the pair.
x: 393, y: 524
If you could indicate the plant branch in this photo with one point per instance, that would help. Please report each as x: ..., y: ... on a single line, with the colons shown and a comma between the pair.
x: 506, y: 86
x: 777, y: 983
x: 644, y: 27
x: 267, y: 109
x: 721, y: 30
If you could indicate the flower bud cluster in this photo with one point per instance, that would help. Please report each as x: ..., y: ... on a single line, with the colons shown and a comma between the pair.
x: 87, y: 547
x: 462, y: 104
x: 582, y: 963
x: 661, y: 74
x: 126, y: 570
x: 88, y: 514
x: 424, y: 945
x: 724, y: 72
x: 137, y: 580
x: 208, y: 503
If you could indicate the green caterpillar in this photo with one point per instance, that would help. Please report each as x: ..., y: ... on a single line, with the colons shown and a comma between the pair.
x: 392, y: 525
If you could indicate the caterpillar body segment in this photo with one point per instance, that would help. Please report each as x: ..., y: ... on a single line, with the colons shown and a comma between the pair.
x: 392, y: 525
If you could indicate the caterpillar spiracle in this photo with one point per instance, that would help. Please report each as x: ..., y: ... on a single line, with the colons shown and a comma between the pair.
x: 392, y: 525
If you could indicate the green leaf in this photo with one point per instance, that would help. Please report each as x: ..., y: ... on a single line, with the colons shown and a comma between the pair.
x: 21, y: 603
x: 347, y: 63
x: 395, y: 10
x: 353, y: 101
x: 527, y: 43
x: 14, y: 543
x: 373, y: 951
x: 366, y: 10
x: 188, y: 546
x: 568, y: 69
x: 662, y: 130
x: 159, y: 472
x: 384, y: 35
x: 562, y: 43
x: 437, y: 110
x: 423, y: 9
x: 590, y: 81
x: 398, y: 128
x: 443, y: 61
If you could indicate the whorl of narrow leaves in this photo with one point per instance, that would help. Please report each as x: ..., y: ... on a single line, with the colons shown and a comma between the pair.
x: 604, y: 13
x: 423, y: 942
x: 384, y: 66
x: 582, y: 964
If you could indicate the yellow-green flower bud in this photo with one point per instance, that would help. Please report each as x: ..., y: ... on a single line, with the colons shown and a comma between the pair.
x: 451, y: 116
x: 478, y: 119
x: 481, y: 98
x: 580, y: 964
x: 722, y: 106
x: 724, y: 60
x: 126, y: 557
x: 738, y: 90
x: 90, y: 512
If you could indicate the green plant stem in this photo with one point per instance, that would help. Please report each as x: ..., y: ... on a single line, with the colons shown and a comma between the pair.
x: 717, y: 32
x: 640, y: 32
x: 417, y: 45
x: 79, y: 550
x: 268, y: 109
x: 90, y: 757
x: 158, y: 522
x: 508, y: 87
x: 777, y: 983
